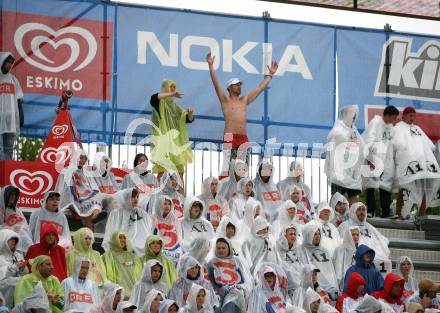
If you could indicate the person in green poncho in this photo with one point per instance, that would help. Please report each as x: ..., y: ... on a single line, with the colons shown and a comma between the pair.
x: 121, y: 264
x: 171, y: 148
x: 153, y: 250
x: 82, y: 246
x: 42, y: 268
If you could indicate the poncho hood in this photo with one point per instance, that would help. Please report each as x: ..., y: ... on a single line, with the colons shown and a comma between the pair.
x: 336, y: 198
x: 110, y: 290
x: 187, y: 262
x: 310, y: 297
x: 352, y: 213
x: 282, y: 243
x: 35, y: 263
x: 259, y: 224
x: 3, y: 57
x: 241, y: 186
x: 150, y: 254
x: 228, y: 242
x: 363, y: 249
x: 250, y: 209
x: 221, y: 229
x: 283, y: 215
x: 206, y: 187
x: 264, y: 165
x: 5, y: 194
x: 402, y: 259
x: 5, y: 235
x: 166, y: 304
x: 369, y: 305
x: 192, y: 298
x: 354, y: 281
x: 79, y: 240
x: 151, y: 295
x: 37, y: 300
x: 308, y: 232
x: 188, y: 204
x: 158, y: 207
x: 146, y: 272
x: 115, y: 243
x: 46, y: 229
x: 199, y: 248
x: 77, y: 268
x: 164, y: 182
x: 325, y: 206
x: 306, y: 275
x: 348, y: 241
x: 390, y: 280
x: 100, y: 168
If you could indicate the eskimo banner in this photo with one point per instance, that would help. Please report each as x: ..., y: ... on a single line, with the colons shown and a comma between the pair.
x: 377, y: 68
x: 158, y: 44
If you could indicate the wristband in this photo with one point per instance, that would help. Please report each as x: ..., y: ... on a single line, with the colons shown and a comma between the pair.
x: 271, y: 76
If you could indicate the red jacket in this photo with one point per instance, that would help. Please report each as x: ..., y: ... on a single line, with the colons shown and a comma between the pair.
x: 354, y: 281
x: 57, y: 253
x: 385, y: 293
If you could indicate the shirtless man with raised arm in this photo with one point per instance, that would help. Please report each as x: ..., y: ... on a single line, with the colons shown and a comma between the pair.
x: 234, y: 109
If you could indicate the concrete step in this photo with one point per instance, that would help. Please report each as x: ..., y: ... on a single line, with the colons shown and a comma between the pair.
x: 415, y: 244
x: 390, y: 223
x: 402, y: 233
x: 416, y: 255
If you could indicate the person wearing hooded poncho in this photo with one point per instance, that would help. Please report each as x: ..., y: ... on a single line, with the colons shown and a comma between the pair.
x: 287, y: 216
x: 308, y: 279
x: 171, y: 148
x: 405, y: 268
x: 370, y: 236
x: 230, y: 229
x: 364, y: 266
x: 166, y: 225
x: 344, y: 156
x: 351, y: 298
x: 153, y: 251
x: 113, y: 294
x: 82, y: 246
x: 229, y: 186
x: 252, y: 210
x: 392, y: 292
x: 344, y: 255
x: 330, y: 238
x: 50, y: 213
x: 245, y: 191
x: 194, y: 224
x: 339, y: 204
x: 130, y: 218
x: 190, y: 272
x: 169, y: 186
x: 81, y: 293
x: 200, y: 248
x: 152, y: 302
x: 287, y: 246
x: 378, y: 136
x: 168, y: 306
x: 103, y: 179
x: 12, y: 265
x: 11, y: 218
x: 369, y: 305
x: 270, y: 293
x: 265, y: 189
x: 41, y: 271
x: 10, y: 98
x: 198, y: 300
x: 311, y: 252
x: 304, y: 214
x: 295, y: 178
x: 260, y: 247
x: 228, y: 277
x: 140, y: 178
x: 36, y: 301
x: 216, y: 205
x: 415, y: 164
x: 121, y: 264
x: 313, y: 303
x: 151, y: 278
x: 48, y: 245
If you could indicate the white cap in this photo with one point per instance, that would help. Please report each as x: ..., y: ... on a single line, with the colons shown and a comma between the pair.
x: 233, y: 81
x: 127, y: 305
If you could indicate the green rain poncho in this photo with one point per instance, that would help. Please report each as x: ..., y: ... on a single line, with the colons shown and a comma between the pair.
x: 171, y: 143
x: 122, y: 266
x: 26, y: 284
x: 170, y: 273
x: 97, y: 268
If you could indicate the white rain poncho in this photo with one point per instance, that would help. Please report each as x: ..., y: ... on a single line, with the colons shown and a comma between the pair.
x: 369, y: 234
x: 199, y: 249
x: 106, y: 306
x: 344, y: 255
x: 235, y: 240
x: 312, y: 296
x: 143, y: 180
x: 10, y: 274
x: 284, y: 220
x: 267, y: 192
x: 216, y: 205
x: 181, y: 288
x: 166, y: 189
x: 168, y: 227
x: 259, y: 248
x: 166, y: 304
x: 143, y: 287
x: 305, y: 213
x: 414, y: 155
x: 344, y: 156
x: 308, y: 253
x: 378, y: 138
x: 80, y: 294
x: 149, y: 298
x: 13, y: 219
x: 338, y: 199
x: 239, y: 200
x: 269, y: 298
x: 57, y: 219
x: 330, y: 238
x: 294, y: 178
x: 229, y: 279
x: 132, y: 220
x: 305, y: 276
x: 411, y: 286
x: 194, y: 227
x: 191, y: 306
x: 11, y: 92
x: 289, y: 258
x: 368, y: 305
x: 229, y: 187
x: 103, y: 180
x: 36, y: 301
